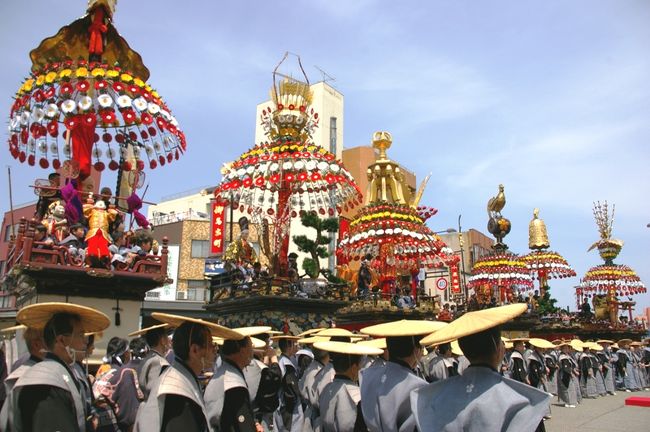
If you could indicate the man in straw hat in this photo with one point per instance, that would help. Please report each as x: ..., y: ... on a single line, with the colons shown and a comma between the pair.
x: 385, y: 390
x: 36, y: 353
x: 154, y: 362
x: 263, y: 378
x: 517, y: 366
x: 308, y: 379
x: 176, y: 402
x: 339, y: 401
x: 587, y: 375
x: 624, y: 366
x: 440, y: 363
x: 567, y: 384
x: 289, y: 415
x: 227, y: 396
x: 607, y: 361
x: 480, y: 399
x: 47, y: 397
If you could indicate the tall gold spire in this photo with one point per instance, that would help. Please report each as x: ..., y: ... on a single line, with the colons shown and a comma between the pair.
x: 386, y: 182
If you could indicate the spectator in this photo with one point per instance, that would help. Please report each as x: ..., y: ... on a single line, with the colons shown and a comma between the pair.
x: 76, y: 242
x: 585, y: 309
x: 40, y: 236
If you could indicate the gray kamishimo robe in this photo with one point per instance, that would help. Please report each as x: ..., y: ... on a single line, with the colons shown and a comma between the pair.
x: 479, y: 400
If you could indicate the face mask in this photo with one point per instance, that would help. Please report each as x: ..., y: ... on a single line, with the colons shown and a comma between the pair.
x: 71, y: 352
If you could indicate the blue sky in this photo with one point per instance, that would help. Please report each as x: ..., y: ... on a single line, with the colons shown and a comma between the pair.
x: 550, y: 98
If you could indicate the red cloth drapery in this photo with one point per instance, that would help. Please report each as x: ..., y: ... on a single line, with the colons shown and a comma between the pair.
x: 82, y: 137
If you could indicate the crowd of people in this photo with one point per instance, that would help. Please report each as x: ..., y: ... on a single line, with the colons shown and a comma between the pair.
x: 187, y: 374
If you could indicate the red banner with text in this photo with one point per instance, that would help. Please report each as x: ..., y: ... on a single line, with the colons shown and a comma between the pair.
x: 218, y: 224
x: 455, y: 279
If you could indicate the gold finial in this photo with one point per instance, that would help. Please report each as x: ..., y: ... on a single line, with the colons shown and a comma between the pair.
x: 537, y: 234
x: 382, y: 141
x: 497, y: 203
x: 386, y: 182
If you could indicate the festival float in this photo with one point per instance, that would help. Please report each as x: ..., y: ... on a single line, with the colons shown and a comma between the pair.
x: 498, y: 277
x: 87, y: 108
x: 273, y: 186
x: 390, y: 232
x: 544, y: 264
x: 605, y: 284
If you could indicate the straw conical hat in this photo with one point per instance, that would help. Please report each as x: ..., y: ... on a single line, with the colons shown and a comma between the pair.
x: 13, y: 328
x: 347, y: 348
x: 252, y: 331
x: 374, y: 343
x: 475, y: 322
x: 37, y: 315
x: 147, y: 329
x: 455, y: 348
x: 310, y: 331
x: 313, y: 339
x: 339, y: 332
x: 215, y: 329
x: 404, y: 328
x: 541, y: 343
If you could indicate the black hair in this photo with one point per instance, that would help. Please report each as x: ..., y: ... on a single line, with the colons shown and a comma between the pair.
x: 231, y: 346
x: 189, y: 333
x: 444, y: 348
x: 53, y: 175
x: 319, y: 354
x: 342, y: 362
x: 138, y: 347
x: 61, y: 323
x: 402, y: 346
x: 116, y: 348
x: 368, y: 257
x: 40, y: 227
x: 340, y: 339
x: 76, y: 226
x: 141, y: 237
x: 152, y: 337
x: 482, y: 344
x: 91, y: 340
x: 285, y: 343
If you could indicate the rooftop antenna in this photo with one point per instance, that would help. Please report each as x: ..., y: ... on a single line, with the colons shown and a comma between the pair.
x: 326, y: 77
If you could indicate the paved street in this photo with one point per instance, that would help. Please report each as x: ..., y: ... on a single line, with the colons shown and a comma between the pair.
x: 599, y: 415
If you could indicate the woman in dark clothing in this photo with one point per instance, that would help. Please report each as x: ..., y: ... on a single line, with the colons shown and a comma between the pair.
x: 127, y: 395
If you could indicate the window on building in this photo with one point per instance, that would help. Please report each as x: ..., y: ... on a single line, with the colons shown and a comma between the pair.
x: 333, y: 143
x: 197, y: 290
x: 200, y: 248
x: 8, y: 232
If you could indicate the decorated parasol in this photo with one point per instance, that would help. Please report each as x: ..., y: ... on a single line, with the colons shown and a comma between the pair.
x: 288, y: 176
x: 86, y: 100
x: 497, y: 273
x: 391, y: 226
x: 544, y: 264
x: 609, y: 279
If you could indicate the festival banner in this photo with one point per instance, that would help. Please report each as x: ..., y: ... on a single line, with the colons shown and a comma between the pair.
x: 455, y: 279
x: 217, y: 228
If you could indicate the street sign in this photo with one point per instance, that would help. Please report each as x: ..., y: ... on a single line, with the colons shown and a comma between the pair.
x: 441, y: 284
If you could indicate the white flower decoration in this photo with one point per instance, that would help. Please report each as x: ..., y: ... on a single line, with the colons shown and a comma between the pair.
x: 105, y: 100
x: 153, y: 108
x: 24, y: 117
x: 85, y: 103
x: 124, y: 101
x: 38, y: 114
x: 68, y: 106
x: 51, y: 111
x: 140, y: 104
